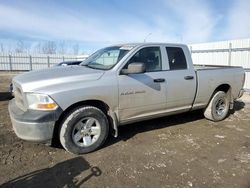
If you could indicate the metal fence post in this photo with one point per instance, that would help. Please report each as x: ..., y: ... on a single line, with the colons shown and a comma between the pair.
x: 229, y: 53
x: 10, y: 62
x: 48, y: 62
x: 30, y: 62
x: 63, y: 59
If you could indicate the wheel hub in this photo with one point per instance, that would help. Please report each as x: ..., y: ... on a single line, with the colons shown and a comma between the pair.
x: 220, y: 107
x: 86, y: 132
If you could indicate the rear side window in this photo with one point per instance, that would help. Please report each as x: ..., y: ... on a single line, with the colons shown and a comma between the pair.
x: 176, y: 58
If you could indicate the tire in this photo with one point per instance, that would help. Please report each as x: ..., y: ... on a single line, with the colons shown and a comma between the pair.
x: 218, y: 106
x: 83, y: 130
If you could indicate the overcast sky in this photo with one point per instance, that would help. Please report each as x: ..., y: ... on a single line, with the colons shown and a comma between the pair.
x: 96, y: 23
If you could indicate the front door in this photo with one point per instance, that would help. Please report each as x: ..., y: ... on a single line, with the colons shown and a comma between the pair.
x: 143, y: 94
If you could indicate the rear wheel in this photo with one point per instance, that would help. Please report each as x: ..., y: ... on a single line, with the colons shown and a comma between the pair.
x: 218, y: 107
x: 83, y: 130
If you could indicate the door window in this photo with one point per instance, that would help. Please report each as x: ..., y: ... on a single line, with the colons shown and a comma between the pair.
x: 176, y: 58
x: 151, y: 56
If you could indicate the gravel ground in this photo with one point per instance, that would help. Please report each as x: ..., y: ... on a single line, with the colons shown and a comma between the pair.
x: 184, y: 150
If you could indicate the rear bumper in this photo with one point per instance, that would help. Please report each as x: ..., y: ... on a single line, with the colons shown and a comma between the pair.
x: 33, y: 125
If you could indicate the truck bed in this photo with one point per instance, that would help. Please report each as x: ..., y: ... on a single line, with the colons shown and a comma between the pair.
x: 209, y: 77
x: 209, y: 67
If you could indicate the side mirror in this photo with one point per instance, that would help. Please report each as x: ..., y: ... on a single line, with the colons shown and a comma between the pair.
x: 134, y: 68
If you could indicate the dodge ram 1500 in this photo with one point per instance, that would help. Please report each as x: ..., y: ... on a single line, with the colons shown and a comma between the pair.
x: 118, y: 85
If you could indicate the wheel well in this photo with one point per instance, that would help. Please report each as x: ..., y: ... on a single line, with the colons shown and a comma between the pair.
x: 96, y: 103
x: 223, y: 87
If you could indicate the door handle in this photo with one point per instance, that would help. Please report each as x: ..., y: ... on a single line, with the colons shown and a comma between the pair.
x: 159, y: 80
x: 188, y: 77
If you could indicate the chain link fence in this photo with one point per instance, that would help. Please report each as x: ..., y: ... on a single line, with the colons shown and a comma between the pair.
x: 26, y: 62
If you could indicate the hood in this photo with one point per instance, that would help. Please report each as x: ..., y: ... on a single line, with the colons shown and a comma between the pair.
x: 34, y: 80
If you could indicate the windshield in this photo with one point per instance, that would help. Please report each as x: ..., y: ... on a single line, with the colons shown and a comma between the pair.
x: 106, y: 58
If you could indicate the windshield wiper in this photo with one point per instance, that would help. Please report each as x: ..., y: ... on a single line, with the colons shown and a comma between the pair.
x: 95, y: 67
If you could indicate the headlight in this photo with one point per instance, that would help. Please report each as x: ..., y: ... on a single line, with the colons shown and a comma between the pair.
x: 38, y: 101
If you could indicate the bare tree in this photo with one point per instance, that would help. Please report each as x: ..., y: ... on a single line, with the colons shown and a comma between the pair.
x: 20, y: 47
x: 1, y: 48
x: 9, y: 49
x: 49, y: 47
x: 76, y: 49
x: 27, y: 48
x: 61, y: 47
x: 38, y: 48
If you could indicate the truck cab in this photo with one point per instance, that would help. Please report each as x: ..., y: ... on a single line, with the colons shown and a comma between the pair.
x: 157, y: 91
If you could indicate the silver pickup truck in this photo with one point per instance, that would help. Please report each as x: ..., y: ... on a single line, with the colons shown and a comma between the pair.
x: 118, y: 85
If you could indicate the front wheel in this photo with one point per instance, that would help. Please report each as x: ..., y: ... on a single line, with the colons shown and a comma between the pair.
x: 83, y: 130
x: 218, y: 107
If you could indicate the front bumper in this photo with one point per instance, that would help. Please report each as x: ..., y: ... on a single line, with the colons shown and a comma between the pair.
x: 33, y: 125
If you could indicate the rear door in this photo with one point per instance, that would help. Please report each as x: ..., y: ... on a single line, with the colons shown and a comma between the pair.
x: 180, y: 80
